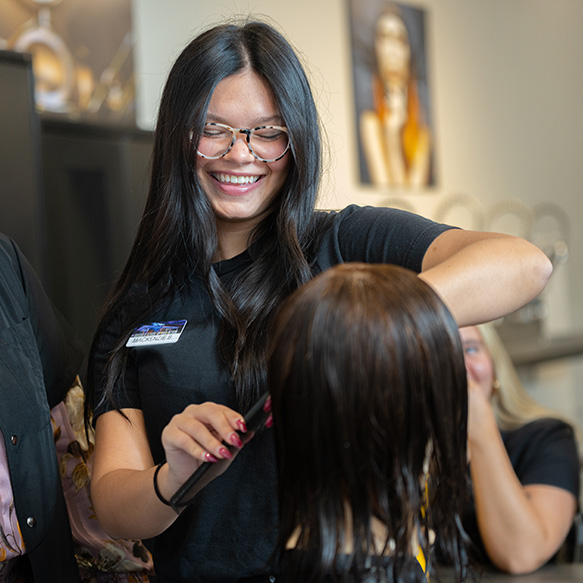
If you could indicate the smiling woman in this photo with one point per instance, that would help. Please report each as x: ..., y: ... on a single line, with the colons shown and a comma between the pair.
x: 240, y: 185
x: 227, y: 235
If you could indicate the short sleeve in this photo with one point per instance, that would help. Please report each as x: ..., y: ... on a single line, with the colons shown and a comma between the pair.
x: 378, y: 235
x: 126, y: 393
x: 545, y: 452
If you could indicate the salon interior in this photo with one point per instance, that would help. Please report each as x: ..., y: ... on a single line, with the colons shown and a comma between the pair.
x: 500, y: 86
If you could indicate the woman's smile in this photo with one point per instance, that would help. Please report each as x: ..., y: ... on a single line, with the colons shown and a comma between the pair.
x: 240, y: 187
x: 235, y: 179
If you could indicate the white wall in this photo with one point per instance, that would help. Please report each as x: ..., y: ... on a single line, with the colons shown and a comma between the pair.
x: 507, y: 92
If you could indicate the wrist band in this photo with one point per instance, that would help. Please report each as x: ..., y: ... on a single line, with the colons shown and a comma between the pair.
x: 156, y: 489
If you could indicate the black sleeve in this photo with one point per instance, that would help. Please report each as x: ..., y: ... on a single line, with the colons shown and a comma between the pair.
x: 379, y: 235
x: 59, y: 349
x: 126, y: 392
x: 545, y: 452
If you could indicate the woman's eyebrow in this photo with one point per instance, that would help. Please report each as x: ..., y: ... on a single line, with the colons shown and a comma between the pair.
x: 275, y: 119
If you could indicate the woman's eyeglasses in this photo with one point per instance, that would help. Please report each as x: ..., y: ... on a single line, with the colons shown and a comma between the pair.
x: 266, y: 143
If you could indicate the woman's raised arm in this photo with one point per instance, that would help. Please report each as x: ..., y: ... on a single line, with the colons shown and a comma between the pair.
x: 484, y: 276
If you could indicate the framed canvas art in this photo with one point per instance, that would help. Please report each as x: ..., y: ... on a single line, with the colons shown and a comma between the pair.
x: 391, y: 94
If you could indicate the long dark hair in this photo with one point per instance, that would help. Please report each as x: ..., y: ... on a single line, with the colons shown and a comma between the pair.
x: 369, y: 393
x: 177, y: 238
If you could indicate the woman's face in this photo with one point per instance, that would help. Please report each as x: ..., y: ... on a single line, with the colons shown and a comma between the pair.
x: 392, y: 49
x: 241, y: 188
x: 478, y: 360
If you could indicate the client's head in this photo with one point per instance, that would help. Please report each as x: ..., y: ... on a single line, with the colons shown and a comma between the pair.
x: 369, y: 390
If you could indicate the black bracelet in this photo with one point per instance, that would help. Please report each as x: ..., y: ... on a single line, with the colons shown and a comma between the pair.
x: 156, y: 489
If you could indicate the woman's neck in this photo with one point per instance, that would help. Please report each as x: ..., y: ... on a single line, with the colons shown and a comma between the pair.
x: 232, y: 241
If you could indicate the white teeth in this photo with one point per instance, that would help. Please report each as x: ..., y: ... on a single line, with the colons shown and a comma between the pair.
x: 236, y: 179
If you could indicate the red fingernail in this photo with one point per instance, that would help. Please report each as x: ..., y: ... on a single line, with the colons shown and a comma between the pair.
x: 269, y: 421
x: 267, y: 406
x: 242, y: 426
x: 209, y: 457
x: 225, y: 453
x: 235, y: 440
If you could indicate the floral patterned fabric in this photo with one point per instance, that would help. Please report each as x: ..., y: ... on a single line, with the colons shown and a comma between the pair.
x: 11, y: 543
x: 100, y: 558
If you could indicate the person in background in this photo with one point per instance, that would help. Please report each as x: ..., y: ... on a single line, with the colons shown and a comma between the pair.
x: 228, y: 232
x: 369, y: 396
x: 39, y: 359
x: 523, y: 460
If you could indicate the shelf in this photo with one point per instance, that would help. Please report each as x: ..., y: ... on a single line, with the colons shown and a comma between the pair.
x: 528, y: 352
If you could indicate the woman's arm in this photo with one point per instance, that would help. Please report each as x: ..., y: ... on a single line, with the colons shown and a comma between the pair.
x: 122, y: 485
x: 521, y: 526
x: 484, y: 276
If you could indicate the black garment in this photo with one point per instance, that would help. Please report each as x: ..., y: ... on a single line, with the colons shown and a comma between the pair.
x: 541, y: 452
x: 38, y: 363
x: 229, y: 534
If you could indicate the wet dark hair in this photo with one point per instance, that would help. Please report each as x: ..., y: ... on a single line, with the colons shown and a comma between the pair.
x: 177, y: 238
x: 368, y: 385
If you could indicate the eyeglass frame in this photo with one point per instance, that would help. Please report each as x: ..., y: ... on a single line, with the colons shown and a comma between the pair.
x: 247, y: 133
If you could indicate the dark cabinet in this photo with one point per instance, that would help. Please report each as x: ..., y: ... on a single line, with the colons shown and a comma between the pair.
x: 95, y: 184
x: 71, y: 195
x: 21, y: 199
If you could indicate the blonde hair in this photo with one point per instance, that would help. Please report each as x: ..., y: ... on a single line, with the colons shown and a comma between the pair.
x: 513, y: 406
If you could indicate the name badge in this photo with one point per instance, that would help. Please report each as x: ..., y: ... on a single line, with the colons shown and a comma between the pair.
x: 156, y: 333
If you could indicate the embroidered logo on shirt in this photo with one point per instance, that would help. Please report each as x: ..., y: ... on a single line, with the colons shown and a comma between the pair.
x: 157, y: 333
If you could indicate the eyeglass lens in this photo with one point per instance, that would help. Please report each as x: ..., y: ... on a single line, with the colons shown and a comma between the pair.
x: 268, y: 143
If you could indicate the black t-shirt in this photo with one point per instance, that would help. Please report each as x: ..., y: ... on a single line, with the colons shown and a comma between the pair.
x: 229, y: 534
x: 541, y: 452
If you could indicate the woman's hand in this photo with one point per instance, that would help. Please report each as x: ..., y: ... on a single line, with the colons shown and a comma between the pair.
x: 122, y: 480
x: 201, y: 433
x: 482, y: 426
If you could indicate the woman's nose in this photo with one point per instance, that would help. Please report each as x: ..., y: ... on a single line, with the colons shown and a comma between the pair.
x: 240, y: 151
